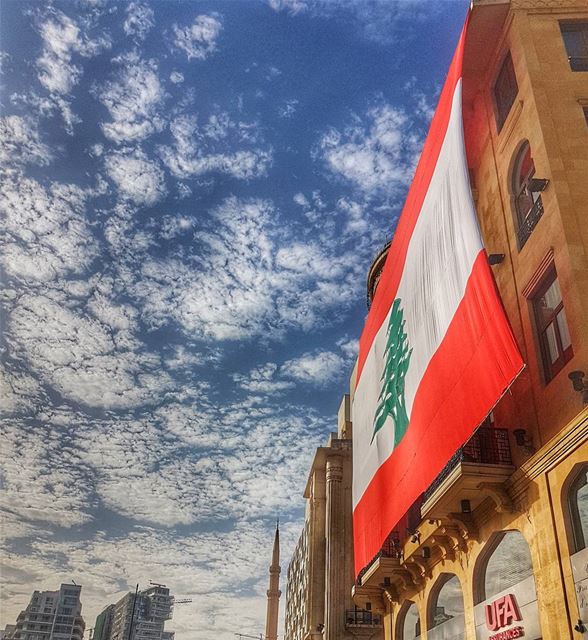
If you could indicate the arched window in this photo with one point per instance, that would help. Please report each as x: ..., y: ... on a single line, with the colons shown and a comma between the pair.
x: 526, y: 192
x: 578, y: 504
x: 506, y: 562
x: 408, y: 625
x: 445, y: 615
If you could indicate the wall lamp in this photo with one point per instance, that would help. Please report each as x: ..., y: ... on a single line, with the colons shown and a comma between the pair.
x: 466, y: 507
x: 579, y: 384
x: 524, y: 441
x: 415, y: 536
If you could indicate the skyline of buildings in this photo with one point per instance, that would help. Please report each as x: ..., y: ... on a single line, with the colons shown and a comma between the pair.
x: 56, y: 615
x: 50, y: 615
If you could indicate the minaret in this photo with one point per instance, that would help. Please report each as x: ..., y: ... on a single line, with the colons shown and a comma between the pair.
x: 273, y: 593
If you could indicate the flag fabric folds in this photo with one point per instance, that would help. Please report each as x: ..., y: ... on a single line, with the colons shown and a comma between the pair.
x: 436, y: 352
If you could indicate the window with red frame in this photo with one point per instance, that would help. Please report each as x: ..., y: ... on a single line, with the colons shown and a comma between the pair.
x: 552, y: 326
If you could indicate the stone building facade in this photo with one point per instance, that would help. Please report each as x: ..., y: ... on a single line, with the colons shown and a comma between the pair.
x: 497, y: 547
x: 320, y: 574
x: 140, y: 616
x: 50, y: 615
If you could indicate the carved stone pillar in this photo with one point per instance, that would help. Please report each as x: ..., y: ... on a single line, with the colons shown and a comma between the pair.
x: 335, y: 552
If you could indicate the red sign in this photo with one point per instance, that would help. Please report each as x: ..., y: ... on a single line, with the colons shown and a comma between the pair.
x: 501, y: 613
x: 509, y: 634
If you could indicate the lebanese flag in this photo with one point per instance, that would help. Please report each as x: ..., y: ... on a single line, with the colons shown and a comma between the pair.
x: 436, y: 352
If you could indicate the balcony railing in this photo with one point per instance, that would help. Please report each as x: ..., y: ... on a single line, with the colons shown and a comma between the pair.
x: 530, y: 221
x: 362, y: 618
x: 486, y: 446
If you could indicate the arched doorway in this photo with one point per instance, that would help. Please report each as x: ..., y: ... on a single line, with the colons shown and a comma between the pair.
x: 445, y: 610
x: 408, y: 623
x: 504, y: 589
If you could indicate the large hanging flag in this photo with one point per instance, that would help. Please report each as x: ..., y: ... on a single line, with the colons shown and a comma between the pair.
x: 436, y: 352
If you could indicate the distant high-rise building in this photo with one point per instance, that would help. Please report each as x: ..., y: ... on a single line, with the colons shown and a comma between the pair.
x: 148, y: 610
x: 104, y: 624
x: 50, y: 615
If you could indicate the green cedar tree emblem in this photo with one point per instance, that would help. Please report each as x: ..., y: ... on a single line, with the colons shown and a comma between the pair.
x: 391, y: 400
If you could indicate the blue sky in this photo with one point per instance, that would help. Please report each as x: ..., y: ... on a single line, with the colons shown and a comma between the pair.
x: 192, y: 194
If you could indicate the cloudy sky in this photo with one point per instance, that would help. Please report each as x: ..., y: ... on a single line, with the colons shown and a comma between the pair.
x: 192, y: 193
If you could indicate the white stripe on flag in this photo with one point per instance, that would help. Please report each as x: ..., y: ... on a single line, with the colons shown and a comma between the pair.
x: 441, y: 253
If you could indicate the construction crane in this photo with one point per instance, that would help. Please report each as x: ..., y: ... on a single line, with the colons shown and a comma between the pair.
x: 244, y: 635
x: 183, y: 601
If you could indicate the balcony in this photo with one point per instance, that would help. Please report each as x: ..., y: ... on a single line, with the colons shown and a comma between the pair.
x: 529, y: 222
x: 475, y: 472
x: 362, y: 618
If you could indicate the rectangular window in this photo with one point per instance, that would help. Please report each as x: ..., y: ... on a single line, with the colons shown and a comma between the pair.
x: 552, y: 326
x: 575, y: 37
x: 505, y: 91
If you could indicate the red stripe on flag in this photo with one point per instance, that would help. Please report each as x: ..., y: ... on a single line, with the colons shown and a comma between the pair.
x: 456, y: 392
x: 392, y: 272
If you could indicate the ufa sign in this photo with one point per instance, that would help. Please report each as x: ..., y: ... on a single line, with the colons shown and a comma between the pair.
x: 502, y: 613
x: 511, y: 613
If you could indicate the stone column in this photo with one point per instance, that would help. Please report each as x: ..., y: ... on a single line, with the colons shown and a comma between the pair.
x: 335, y: 552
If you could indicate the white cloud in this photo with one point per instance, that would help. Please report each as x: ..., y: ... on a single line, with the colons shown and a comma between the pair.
x: 196, y: 153
x: 21, y: 143
x: 139, y: 20
x: 62, y: 38
x: 176, y: 77
x: 134, y: 100
x: 379, y: 20
x: 198, y: 41
x: 318, y: 368
x: 247, y: 278
x: 46, y: 230
x: 263, y: 380
x: 137, y: 178
x: 377, y: 157
x: 41, y: 478
x: 19, y: 392
x: 94, y: 361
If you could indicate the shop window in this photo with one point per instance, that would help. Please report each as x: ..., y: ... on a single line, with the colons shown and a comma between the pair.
x: 505, y: 91
x: 526, y: 190
x: 506, y: 562
x: 408, y: 625
x: 578, y: 504
x: 552, y: 326
x: 445, y: 616
x: 575, y: 37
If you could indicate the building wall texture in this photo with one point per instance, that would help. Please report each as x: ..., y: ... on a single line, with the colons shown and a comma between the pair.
x: 319, y: 603
x: 532, y: 495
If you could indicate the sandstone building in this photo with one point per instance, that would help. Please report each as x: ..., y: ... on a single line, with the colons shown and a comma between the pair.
x: 497, y: 547
x: 320, y: 574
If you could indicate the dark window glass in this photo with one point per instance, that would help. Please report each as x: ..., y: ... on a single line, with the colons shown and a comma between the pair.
x: 505, y: 91
x: 575, y: 37
x: 579, y: 509
x: 552, y: 326
x: 527, y: 200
